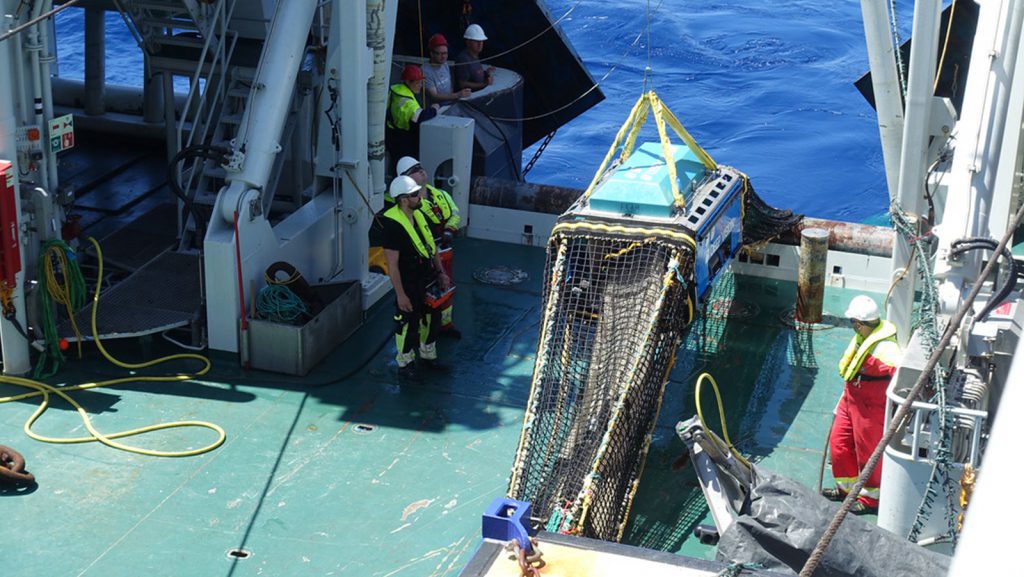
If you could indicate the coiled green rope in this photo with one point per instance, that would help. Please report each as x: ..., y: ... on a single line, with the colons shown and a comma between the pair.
x: 277, y: 303
x: 61, y: 282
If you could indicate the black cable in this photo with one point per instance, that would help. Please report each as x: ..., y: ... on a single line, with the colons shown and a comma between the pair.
x: 981, y: 243
x: 206, y: 151
x: 504, y: 137
x: 17, y: 326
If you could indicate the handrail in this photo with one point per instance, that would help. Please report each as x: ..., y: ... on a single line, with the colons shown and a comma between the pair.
x: 923, y: 412
x: 214, y: 90
x: 217, y: 27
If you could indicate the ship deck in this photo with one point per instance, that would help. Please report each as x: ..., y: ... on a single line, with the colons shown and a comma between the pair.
x: 347, y: 472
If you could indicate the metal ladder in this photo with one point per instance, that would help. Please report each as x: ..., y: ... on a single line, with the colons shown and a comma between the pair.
x: 188, y: 38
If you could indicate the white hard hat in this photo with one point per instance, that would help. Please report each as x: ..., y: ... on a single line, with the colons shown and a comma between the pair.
x: 403, y: 185
x: 405, y: 163
x: 474, y: 32
x: 862, y: 308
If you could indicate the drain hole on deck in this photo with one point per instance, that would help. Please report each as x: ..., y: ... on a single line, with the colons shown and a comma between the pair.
x: 363, y: 429
x: 239, y: 554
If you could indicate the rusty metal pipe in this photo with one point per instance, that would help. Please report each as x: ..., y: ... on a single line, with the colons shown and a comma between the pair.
x: 863, y: 239
x: 501, y: 193
x: 810, y: 283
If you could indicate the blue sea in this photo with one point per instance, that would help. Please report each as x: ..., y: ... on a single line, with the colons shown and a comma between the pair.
x: 766, y: 87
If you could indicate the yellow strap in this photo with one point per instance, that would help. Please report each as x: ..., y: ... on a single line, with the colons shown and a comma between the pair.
x: 666, y: 150
x: 677, y: 126
x: 611, y: 151
x: 638, y: 122
x: 634, y: 122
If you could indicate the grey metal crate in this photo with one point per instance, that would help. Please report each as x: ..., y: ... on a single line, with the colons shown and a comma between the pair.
x: 296, y: 349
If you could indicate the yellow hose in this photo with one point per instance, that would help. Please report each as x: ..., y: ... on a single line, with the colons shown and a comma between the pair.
x: 59, y: 291
x: 44, y: 390
x: 721, y: 414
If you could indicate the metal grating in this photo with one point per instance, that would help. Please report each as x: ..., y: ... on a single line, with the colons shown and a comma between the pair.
x: 162, y: 294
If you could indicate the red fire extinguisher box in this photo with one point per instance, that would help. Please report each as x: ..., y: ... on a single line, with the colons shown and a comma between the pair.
x: 10, y: 256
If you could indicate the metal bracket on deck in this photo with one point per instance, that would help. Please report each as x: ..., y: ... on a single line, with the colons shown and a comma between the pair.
x: 724, y: 480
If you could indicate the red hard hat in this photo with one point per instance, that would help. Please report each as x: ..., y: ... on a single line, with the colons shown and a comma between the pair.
x: 437, y: 40
x: 411, y: 72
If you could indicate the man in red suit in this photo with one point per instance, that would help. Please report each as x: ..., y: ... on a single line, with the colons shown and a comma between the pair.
x: 867, y: 367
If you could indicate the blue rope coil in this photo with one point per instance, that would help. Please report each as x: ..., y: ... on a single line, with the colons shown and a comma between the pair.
x: 277, y: 303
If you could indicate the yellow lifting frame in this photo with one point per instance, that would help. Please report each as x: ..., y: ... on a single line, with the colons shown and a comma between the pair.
x: 637, y: 118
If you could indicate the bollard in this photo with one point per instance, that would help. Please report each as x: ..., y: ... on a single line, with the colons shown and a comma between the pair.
x: 810, y: 289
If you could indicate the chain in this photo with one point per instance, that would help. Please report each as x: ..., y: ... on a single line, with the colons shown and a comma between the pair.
x: 540, y: 150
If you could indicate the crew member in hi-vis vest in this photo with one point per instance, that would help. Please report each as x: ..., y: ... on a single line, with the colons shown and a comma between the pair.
x: 413, y: 265
x: 867, y: 367
x: 443, y: 218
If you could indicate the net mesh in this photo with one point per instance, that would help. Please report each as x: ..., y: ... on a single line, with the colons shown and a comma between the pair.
x: 761, y: 221
x: 616, y: 304
x: 618, y: 296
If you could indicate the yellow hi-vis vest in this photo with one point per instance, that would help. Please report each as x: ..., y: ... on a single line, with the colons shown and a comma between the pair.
x: 444, y: 202
x: 425, y: 248
x: 881, y: 343
x: 402, y: 106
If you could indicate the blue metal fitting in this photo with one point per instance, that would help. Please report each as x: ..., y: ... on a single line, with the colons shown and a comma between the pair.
x: 507, y: 519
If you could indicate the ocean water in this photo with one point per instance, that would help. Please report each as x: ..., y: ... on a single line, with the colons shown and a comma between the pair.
x: 766, y: 87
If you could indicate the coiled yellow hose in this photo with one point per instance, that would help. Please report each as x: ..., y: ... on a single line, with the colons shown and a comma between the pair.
x: 45, y: 390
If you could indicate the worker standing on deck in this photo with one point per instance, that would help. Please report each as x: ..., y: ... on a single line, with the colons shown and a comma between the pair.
x: 443, y: 217
x: 404, y: 113
x: 413, y: 264
x: 867, y: 367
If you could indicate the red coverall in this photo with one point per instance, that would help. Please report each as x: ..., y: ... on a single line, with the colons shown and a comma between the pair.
x: 867, y: 366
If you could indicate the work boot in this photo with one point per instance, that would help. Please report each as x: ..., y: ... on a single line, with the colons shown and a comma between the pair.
x: 833, y: 494
x: 860, y: 508
x: 434, y: 365
x: 408, y: 373
x: 451, y: 332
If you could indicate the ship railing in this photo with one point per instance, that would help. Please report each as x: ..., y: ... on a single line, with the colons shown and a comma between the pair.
x: 921, y: 439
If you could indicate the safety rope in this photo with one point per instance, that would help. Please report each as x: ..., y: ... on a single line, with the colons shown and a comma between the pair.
x: 902, y: 413
x: 928, y: 329
x: 894, y: 31
x: 44, y: 390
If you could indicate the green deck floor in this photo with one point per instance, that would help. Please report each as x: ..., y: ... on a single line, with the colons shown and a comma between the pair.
x: 356, y: 476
